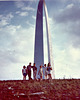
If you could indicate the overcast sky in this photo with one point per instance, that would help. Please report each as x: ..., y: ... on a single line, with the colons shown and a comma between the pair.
x: 17, y: 33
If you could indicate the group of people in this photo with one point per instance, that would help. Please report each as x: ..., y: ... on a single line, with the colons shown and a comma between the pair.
x: 43, y: 71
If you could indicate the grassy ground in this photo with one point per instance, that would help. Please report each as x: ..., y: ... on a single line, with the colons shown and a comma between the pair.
x: 65, y: 89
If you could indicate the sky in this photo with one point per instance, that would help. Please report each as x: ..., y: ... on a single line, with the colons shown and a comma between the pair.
x: 17, y: 35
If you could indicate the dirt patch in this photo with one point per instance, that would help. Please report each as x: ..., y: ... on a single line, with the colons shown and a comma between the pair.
x: 66, y: 89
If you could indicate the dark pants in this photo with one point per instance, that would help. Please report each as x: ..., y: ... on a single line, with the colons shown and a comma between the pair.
x: 29, y: 74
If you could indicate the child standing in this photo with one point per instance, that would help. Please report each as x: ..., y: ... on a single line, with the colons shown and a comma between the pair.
x: 24, y: 72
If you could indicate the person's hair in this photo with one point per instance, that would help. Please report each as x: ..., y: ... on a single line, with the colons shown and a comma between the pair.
x: 29, y: 63
x: 44, y: 64
x: 40, y: 66
x: 49, y: 64
x: 24, y: 66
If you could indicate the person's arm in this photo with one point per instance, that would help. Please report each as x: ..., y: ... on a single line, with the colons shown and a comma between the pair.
x: 31, y: 66
x: 51, y: 68
x: 43, y: 66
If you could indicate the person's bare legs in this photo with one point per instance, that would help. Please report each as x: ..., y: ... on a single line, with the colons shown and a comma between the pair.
x: 45, y: 76
x: 24, y: 77
x: 41, y: 77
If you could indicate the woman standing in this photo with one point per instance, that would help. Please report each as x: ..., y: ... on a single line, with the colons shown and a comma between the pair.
x: 40, y: 73
x: 49, y: 68
x: 34, y: 71
x: 45, y: 71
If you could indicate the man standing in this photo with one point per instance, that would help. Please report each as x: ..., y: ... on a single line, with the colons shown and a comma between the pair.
x: 34, y: 71
x: 29, y: 70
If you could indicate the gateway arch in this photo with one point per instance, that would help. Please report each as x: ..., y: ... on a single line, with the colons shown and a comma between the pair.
x: 39, y: 43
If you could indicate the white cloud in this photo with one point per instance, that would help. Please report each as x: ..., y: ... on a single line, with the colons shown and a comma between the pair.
x: 34, y: 17
x: 66, y: 1
x: 28, y: 8
x: 22, y: 13
x: 3, y: 23
x: 68, y: 22
x: 70, y: 6
x: 16, y: 50
x: 66, y: 62
x: 74, y: 53
x: 27, y: 22
x: 9, y: 16
x: 66, y: 56
x: 5, y: 19
x: 1, y: 16
x: 17, y: 12
x: 19, y: 4
x: 23, y: 7
x: 69, y: 14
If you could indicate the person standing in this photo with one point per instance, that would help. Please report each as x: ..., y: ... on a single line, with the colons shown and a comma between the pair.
x: 34, y: 71
x: 24, y: 72
x: 29, y: 71
x: 40, y: 73
x: 49, y: 68
x: 45, y: 71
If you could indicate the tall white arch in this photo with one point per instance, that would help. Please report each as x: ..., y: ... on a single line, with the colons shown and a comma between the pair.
x: 39, y: 47
x: 49, y: 44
